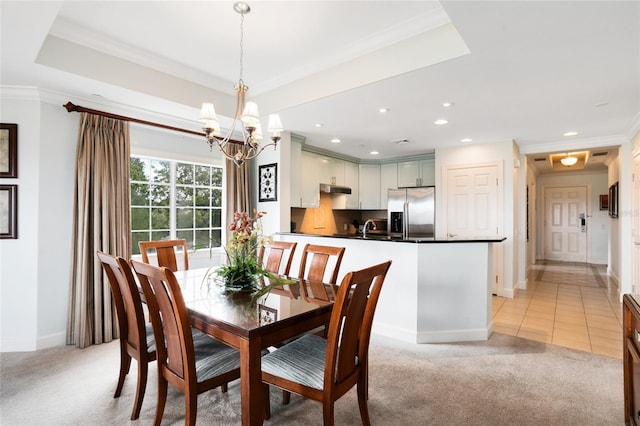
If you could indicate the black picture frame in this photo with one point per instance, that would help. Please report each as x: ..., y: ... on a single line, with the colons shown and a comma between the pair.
x: 604, y: 202
x: 268, y: 182
x: 613, y: 200
x: 9, y: 212
x: 8, y: 150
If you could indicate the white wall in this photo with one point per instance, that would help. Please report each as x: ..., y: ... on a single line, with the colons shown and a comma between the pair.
x: 598, y: 220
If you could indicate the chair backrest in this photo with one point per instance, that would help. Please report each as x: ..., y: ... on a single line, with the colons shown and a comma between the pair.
x: 166, y: 252
x: 350, y: 324
x: 127, y: 299
x: 169, y: 319
x: 276, y: 252
x: 314, y: 262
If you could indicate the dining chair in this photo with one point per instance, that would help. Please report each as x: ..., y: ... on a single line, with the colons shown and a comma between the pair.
x: 136, y: 335
x: 166, y: 252
x: 191, y: 361
x: 325, y: 369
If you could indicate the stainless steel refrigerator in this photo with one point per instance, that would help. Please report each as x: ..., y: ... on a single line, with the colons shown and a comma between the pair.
x: 411, y: 212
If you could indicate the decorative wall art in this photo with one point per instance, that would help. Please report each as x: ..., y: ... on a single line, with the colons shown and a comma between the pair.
x: 613, y: 200
x: 8, y: 211
x: 604, y: 202
x: 8, y: 150
x: 268, y: 182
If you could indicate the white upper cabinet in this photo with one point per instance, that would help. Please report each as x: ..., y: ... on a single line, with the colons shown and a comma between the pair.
x: 310, y: 180
x: 369, y: 186
x: 416, y: 173
x: 331, y: 170
x: 388, y: 179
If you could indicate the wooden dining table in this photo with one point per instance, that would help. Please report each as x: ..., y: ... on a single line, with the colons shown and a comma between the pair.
x: 253, y: 325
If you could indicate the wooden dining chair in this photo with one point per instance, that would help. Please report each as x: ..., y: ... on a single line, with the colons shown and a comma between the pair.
x: 136, y: 335
x: 192, y: 362
x: 325, y: 369
x: 166, y: 252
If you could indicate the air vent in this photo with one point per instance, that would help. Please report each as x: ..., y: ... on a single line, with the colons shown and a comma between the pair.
x: 540, y: 159
x: 400, y: 141
x: 598, y: 154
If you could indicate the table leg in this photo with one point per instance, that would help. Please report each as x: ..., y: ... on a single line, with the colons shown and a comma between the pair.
x: 251, y: 382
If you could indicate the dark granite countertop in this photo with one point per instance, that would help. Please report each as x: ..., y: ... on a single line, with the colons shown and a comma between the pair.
x: 400, y: 240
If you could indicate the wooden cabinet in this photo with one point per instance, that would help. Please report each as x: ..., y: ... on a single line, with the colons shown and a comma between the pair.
x: 309, y: 180
x: 631, y: 359
x: 388, y: 180
x: 416, y: 173
x: 369, y: 186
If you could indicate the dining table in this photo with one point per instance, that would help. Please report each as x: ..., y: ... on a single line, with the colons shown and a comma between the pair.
x: 252, y: 324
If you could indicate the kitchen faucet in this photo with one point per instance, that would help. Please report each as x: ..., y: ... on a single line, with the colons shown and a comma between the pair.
x: 365, y: 227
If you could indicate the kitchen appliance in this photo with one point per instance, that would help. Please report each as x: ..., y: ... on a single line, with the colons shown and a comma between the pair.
x: 411, y: 212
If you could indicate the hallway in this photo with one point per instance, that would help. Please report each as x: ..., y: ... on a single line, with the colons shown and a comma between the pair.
x: 573, y: 305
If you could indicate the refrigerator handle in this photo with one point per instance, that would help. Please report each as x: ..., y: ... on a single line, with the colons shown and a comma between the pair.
x: 405, y: 221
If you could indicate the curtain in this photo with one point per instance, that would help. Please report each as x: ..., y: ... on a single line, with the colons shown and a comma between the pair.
x: 238, y: 187
x: 100, y: 222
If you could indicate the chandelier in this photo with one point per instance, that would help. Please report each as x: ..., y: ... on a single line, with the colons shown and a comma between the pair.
x: 246, y: 116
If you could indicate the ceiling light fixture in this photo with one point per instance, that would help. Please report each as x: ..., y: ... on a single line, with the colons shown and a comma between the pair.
x: 246, y: 113
x: 569, y: 160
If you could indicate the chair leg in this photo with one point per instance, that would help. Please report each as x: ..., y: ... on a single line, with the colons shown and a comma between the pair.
x: 125, y: 364
x: 286, y: 397
x: 162, y: 399
x: 191, y: 405
x: 363, y: 395
x: 143, y: 368
x: 327, y: 412
x: 266, y: 401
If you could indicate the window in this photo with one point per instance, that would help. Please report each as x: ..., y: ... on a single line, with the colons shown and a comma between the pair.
x: 171, y: 199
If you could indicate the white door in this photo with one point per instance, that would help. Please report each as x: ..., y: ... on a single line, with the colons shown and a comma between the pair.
x: 472, y: 202
x: 565, y: 224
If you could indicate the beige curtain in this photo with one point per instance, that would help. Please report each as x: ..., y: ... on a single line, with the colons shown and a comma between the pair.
x: 100, y: 222
x: 238, y: 186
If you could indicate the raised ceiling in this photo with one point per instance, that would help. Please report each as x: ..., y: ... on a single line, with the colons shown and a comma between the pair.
x: 527, y: 71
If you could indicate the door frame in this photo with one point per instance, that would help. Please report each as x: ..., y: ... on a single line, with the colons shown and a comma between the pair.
x: 541, y: 219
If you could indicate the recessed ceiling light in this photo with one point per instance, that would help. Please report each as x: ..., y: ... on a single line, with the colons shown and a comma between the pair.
x: 448, y: 104
x: 466, y: 140
x: 440, y: 122
x: 335, y: 140
x: 570, y: 133
x: 374, y: 153
x: 319, y: 125
x: 382, y: 110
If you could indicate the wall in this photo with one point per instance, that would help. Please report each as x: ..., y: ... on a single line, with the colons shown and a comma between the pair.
x: 598, y: 220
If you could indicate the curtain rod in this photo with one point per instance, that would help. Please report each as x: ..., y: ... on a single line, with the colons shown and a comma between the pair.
x: 77, y: 108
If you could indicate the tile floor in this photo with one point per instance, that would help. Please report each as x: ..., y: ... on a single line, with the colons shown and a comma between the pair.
x: 567, y: 304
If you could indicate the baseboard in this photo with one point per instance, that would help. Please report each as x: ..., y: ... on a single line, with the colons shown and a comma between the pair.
x: 470, y: 335
x: 52, y: 340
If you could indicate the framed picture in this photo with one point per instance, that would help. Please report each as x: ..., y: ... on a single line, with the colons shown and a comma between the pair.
x: 8, y: 211
x: 613, y: 200
x: 268, y: 182
x: 8, y: 150
x: 604, y: 202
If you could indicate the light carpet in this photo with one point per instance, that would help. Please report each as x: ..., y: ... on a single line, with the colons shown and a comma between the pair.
x: 503, y: 381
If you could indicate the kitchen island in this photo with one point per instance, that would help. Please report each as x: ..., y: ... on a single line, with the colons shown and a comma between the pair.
x: 435, y: 291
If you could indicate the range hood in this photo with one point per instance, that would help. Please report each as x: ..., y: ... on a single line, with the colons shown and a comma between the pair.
x: 334, y: 189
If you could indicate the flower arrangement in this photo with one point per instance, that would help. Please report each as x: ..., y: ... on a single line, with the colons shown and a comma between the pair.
x: 243, y: 271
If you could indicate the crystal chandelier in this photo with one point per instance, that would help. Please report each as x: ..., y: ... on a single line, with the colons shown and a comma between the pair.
x: 246, y: 114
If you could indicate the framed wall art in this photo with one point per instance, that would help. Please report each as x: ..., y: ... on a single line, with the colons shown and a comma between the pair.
x: 268, y: 182
x: 8, y: 150
x: 604, y: 202
x: 8, y: 211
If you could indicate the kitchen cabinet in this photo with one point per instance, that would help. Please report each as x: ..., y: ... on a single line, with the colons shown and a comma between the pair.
x: 309, y: 180
x: 369, y: 186
x: 296, y: 174
x: 416, y: 173
x: 388, y: 180
x: 331, y: 170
